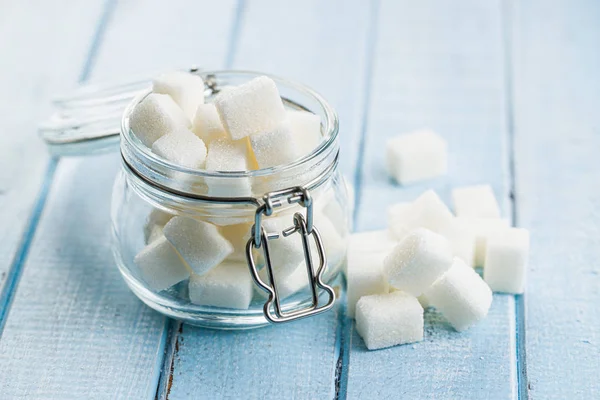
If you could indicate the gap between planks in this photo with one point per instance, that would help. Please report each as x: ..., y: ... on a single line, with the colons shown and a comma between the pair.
x: 16, y: 268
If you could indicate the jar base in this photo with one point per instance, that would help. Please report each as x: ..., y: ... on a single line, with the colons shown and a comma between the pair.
x: 215, y: 317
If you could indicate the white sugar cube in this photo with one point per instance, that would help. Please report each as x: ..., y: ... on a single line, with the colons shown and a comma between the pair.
x: 330, y: 205
x: 365, y: 276
x: 475, y: 201
x: 181, y: 147
x: 482, y: 228
x: 225, y: 155
x: 275, y: 147
x: 199, y: 243
x: 160, y: 265
x: 424, y: 302
x: 250, y: 108
x: 229, y: 285
x: 460, y: 295
x: 238, y: 235
x: 156, y: 116
x: 306, y: 129
x: 385, y: 320
x: 506, y: 260
x: 416, y: 156
x: 286, y: 252
x: 462, y: 239
x: 186, y: 89
x: 155, y: 232
x: 397, y: 210
x: 156, y: 217
x: 378, y: 242
x: 427, y: 211
x: 418, y: 260
x: 287, y: 283
x: 207, y: 123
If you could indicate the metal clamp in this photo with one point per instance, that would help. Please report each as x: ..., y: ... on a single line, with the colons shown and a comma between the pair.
x: 304, y: 226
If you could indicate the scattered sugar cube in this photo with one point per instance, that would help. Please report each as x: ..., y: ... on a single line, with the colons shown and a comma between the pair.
x: 250, y: 108
x: 462, y: 239
x: 155, y: 116
x: 461, y: 296
x: 207, y: 123
x: 397, y: 210
x: 427, y: 211
x: 306, y: 129
x: 365, y: 276
x: 181, y: 147
x: 286, y: 252
x: 482, y: 228
x: 475, y: 201
x: 416, y: 156
x: 385, y: 320
x: 199, y: 243
x: 154, y: 218
x: 380, y: 241
x: 225, y: 155
x: 186, y: 89
x: 228, y: 285
x: 160, y: 265
x: 418, y: 260
x: 424, y: 302
x: 275, y: 147
x: 506, y: 260
x: 288, y: 283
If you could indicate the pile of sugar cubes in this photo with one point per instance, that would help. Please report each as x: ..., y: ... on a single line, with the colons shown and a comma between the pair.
x: 245, y: 127
x: 426, y: 257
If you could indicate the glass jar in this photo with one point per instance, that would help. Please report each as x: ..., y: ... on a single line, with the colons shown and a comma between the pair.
x: 148, y: 191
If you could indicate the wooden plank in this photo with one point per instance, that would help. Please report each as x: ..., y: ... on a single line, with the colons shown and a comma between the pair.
x: 75, y: 330
x: 307, y: 41
x: 440, y: 65
x: 556, y: 137
x: 43, y: 50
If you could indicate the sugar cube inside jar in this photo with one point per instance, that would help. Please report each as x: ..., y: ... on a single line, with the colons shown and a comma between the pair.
x: 202, y: 170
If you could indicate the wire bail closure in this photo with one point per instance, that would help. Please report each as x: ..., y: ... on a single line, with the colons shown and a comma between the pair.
x: 304, y: 226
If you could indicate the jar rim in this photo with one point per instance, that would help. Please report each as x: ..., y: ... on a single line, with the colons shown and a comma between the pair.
x: 330, y: 131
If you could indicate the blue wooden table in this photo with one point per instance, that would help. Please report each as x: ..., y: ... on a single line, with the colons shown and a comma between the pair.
x: 514, y: 86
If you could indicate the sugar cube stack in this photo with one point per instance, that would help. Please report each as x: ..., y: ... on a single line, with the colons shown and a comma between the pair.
x: 365, y: 276
x: 507, y: 252
x: 482, y: 229
x: 418, y: 260
x: 416, y: 156
x: 460, y: 295
x: 187, y: 90
x: 476, y: 202
x: 385, y: 320
x: 181, y: 147
x: 161, y: 265
x: 155, y: 116
x: 228, y: 285
x: 427, y: 211
x: 199, y: 243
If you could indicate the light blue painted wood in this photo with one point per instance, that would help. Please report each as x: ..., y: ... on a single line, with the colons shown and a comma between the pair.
x: 75, y: 330
x: 439, y: 64
x: 28, y: 39
x: 321, y: 44
x: 556, y: 137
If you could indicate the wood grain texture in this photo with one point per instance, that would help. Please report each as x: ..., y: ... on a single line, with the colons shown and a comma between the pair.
x: 556, y: 68
x: 75, y: 330
x: 440, y: 65
x: 321, y: 44
x: 43, y: 49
